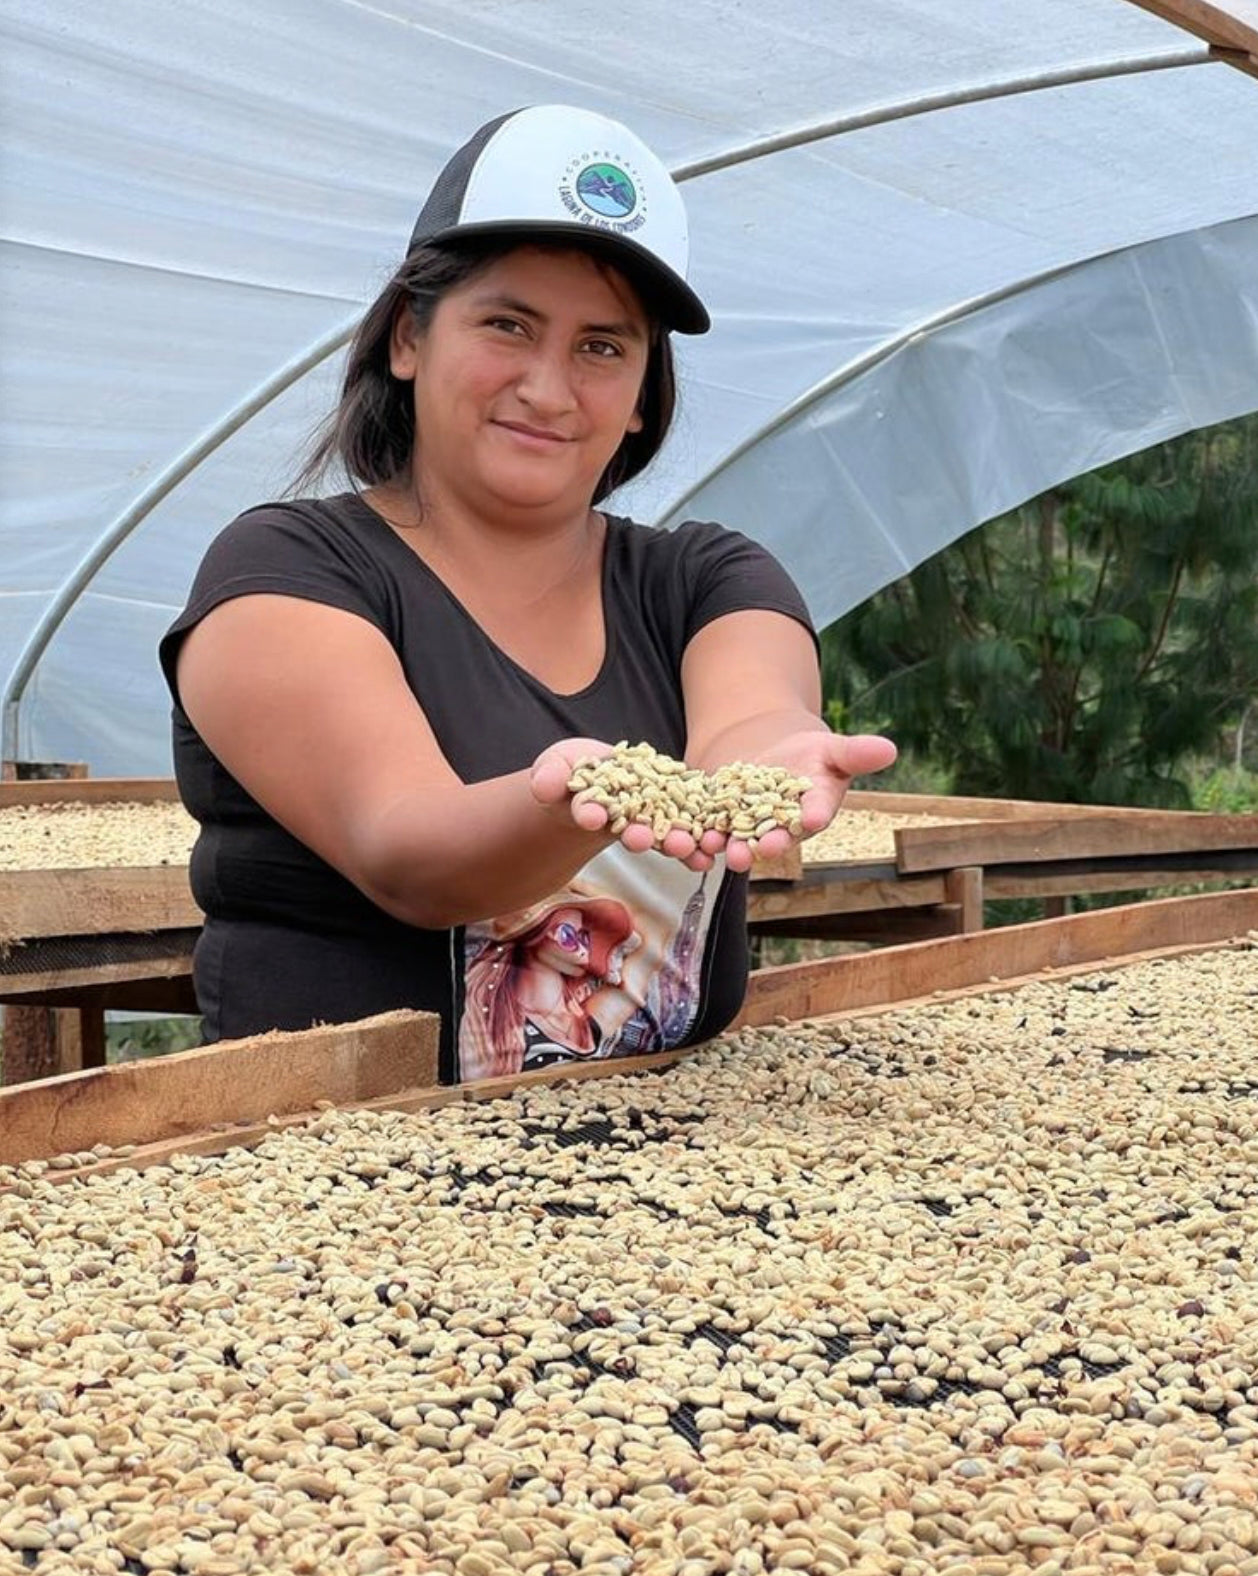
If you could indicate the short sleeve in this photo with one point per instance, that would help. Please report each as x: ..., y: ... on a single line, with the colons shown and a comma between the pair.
x: 727, y: 572
x: 293, y: 550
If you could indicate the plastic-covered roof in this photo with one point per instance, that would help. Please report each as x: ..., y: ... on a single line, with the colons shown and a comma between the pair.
x: 955, y: 251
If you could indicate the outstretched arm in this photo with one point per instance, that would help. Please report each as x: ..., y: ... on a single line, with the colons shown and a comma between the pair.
x: 308, y: 708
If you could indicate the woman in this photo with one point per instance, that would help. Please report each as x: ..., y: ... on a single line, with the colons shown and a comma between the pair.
x: 380, y: 695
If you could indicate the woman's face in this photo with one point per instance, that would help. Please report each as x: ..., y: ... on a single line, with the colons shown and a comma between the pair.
x: 526, y: 381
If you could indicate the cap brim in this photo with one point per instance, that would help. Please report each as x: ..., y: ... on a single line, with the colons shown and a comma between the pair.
x: 667, y: 293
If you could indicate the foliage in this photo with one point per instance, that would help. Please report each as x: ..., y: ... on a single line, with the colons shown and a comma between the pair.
x: 1081, y: 648
x: 1227, y: 791
x: 136, y: 1039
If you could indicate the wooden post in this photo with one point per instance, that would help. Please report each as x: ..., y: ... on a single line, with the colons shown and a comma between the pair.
x: 31, y: 1048
x: 40, y: 1042
x: 91, y: 1030
x: 964, y: 888
x: 71, y: 1032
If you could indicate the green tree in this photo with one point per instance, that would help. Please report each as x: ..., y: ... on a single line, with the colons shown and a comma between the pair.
x: 1082, y: 648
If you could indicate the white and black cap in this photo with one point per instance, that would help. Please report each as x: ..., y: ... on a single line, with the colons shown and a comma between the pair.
x: 551, y: 170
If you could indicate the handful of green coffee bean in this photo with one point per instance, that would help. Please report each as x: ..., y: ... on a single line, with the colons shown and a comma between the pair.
x: 635, y: 783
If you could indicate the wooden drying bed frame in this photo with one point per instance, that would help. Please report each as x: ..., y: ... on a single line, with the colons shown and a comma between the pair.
x: 993, y: 848
x: 212, y: 1099
x: 981, y: 848
x: 38, y: 904
x: 83, y: 941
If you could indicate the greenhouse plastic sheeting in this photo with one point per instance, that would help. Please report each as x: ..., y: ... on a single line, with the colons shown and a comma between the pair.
x: 955, y: 252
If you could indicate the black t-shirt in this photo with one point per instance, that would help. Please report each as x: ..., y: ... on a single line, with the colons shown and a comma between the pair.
x: 636, y: 953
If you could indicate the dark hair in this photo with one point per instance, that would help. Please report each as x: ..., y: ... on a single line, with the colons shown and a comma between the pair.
x: 371, y: 433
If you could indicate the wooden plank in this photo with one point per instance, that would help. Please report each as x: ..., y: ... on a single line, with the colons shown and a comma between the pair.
x: 1053, y: 881
x: 1248, y: 63
x: 237, y: 1081
x: 839, y: 889
x: 422, y: 1097
x: 807, y: 990
x: 91, y: 790
x: 1013, y: 982
x: 922, y: 848
x: 64, y: 987
x: 1231, y: 25
x: 786, y: 867
x: 958, y: 806
x: 36, y: 903
x: 884, y: 927
x: 172, y: 996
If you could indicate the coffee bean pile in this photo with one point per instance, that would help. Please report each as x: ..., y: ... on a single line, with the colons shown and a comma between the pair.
x: 635, y: 783
x: 966, y: 1288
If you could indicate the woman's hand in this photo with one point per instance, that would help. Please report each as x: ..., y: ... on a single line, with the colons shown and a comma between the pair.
x: 549, y: 779
x: 829, y: 761
x: 753, y: 693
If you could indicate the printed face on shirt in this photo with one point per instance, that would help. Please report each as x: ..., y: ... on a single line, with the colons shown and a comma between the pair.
x: 526, y: 381
x: 565, y: 945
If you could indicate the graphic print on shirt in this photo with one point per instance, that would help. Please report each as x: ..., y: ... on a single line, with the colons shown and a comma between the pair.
x: 609, y: 966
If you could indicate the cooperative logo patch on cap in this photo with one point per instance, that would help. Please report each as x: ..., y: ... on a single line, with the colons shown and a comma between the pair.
x: 603, y: 188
